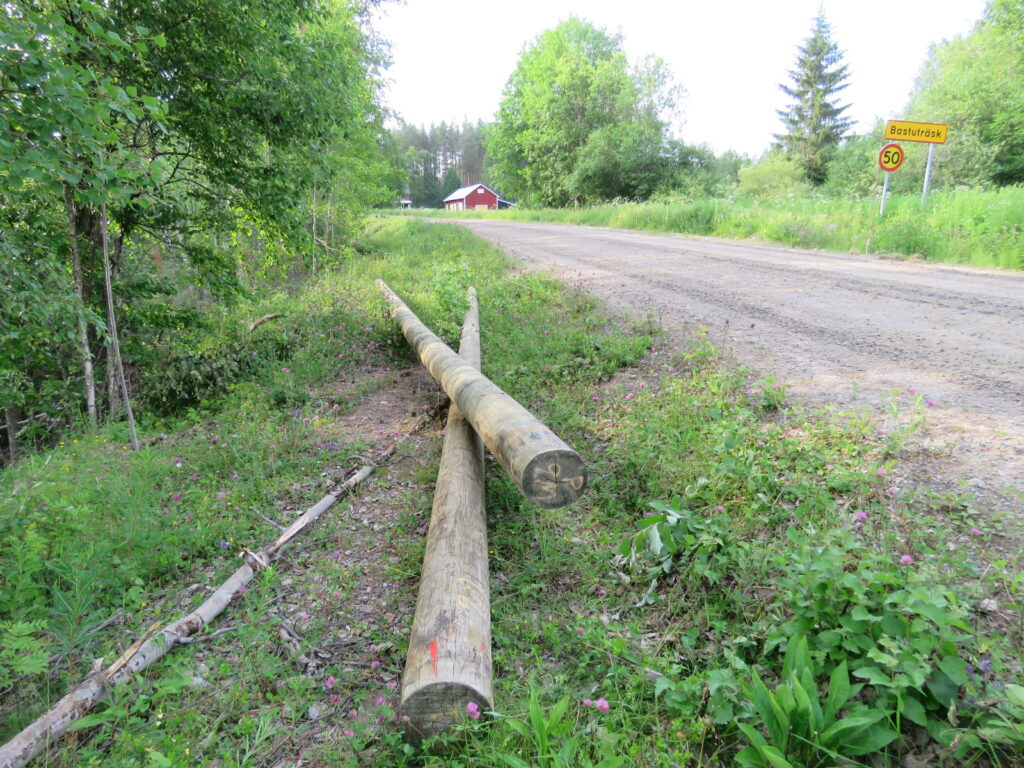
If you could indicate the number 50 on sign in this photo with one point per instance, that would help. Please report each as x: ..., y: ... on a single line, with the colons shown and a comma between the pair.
x: 891, y: 157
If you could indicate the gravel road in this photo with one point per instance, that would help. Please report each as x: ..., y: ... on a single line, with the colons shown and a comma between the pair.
x: 840, y: 329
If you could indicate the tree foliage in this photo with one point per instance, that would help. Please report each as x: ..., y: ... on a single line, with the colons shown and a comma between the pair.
x: 573, y: 86
x: 435, y: 158
x: 814, y: 122
x: 213, y: 132
x: 976, y: 85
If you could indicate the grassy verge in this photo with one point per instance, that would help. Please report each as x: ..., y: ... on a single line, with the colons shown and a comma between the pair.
x: 742, y: 577
x: 979, y: 228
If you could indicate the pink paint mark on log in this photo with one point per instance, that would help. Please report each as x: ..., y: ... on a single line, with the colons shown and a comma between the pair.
x: 433, y: 655
x: 483, y: 647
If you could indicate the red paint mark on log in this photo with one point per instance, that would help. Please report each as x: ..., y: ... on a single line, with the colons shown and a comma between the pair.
x: 433, y: 655
x: 483, y: 647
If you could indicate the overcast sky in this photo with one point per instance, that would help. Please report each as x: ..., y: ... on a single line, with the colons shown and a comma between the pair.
x: 452, y: 59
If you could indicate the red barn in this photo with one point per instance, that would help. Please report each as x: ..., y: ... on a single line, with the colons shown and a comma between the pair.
x: 475, y: 197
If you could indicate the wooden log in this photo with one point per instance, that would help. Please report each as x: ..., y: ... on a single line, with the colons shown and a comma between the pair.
x: 449, y: 660
x: 548, y: 471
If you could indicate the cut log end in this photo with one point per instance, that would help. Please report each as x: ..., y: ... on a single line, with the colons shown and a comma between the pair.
x: 555, y: 478
x: 434, y: 709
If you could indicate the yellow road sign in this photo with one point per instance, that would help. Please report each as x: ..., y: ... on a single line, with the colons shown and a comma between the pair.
x: 905, y: 130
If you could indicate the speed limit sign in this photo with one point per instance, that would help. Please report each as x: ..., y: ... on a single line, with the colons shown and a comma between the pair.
x: 891, y: 157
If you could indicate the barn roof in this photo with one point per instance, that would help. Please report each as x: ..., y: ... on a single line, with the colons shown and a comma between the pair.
x: 462, y: 192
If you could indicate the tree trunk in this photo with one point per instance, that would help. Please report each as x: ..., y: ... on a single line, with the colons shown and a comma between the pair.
x: 112, y: 322
x: 314, y: 225
x: 549, y: 472
x: 114, y: 405
x: 83, y: 328
x: 330, y: 219
x: 449, y: 661
x: 13, y: 416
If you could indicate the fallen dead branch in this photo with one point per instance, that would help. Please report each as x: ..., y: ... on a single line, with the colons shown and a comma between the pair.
x: 265, y: 319
x: 293, y: 645
x: 206, y: 638
x: 154, y: 645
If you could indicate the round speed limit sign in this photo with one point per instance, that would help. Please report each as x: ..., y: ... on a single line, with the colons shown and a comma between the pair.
x: 891, y: 157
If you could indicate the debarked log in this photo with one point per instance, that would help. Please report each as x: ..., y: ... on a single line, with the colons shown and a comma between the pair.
x: 549, y: 472
x: 449, y: 661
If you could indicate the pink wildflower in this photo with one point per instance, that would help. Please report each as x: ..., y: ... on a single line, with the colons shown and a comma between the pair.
x: 906, y: 560
x: 329, y: 682
x: 861, y: 515
x: 587, y: 703
x: 286, y: 370
x: 349, y: 732
x: 602, y: 706
x: 473, y: 710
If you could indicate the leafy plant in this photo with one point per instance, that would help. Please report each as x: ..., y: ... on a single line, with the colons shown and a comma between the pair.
x: 803, y: 731
x: 553, y: 739
x: 22, y: 651
x: 691, y: 544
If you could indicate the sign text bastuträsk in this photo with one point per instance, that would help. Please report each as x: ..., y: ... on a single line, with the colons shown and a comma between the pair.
x: 905, y: 130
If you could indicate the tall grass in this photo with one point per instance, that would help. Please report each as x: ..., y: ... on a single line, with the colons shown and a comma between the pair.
x: 983, y: 228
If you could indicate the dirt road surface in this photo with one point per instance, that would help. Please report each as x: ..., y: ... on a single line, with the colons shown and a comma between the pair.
x: 850, y: 331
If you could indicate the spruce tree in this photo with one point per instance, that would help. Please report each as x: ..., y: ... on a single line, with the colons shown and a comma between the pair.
x: 814, y: 122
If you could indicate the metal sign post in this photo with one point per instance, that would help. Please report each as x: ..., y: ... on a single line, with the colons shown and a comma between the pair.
x: 889, y: 159
x: 927, y: 173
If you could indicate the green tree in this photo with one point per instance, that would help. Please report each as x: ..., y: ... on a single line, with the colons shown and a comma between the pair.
x: 205, y: 128
x: 437, y: 157
x: 976, y: 85
x: 571, y: 85
x: 624, y: 160
x: 814, y: 122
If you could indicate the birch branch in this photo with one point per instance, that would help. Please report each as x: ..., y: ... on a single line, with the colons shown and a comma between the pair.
x: 154, y: 645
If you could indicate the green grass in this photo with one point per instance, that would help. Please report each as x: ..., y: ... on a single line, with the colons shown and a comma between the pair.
x: 976, y: 227
x: 720, y: 524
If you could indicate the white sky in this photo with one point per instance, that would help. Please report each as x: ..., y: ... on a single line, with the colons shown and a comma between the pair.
x: 452, y: 59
